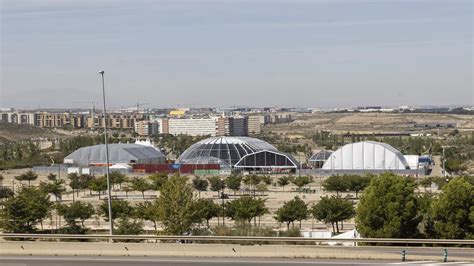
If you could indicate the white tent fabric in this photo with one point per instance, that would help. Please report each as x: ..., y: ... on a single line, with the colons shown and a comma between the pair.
x: 346, y: 235
x: 366, y: 155
x: 412, y: 161
x: 120, y: 166
x: 118, y: 153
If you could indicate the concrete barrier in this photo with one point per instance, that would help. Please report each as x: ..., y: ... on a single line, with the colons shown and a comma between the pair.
x: 212, y: 250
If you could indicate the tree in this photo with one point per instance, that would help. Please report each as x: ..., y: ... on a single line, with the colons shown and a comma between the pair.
x: 76, y: 211
x: 200, y: 184
x: 147, y: 211
x: 117, y: 178
x: 51, y: 177
x: 283, y: 181
x: 127, y: 226
x: 267, y: 180
x: 74, y: 184
x: 158, y: 180
x: 233, y: 182
x: 206, y: 210
x: 140, y: 184
x: 426, y: 182
x: 336, y: 183
x: 85, y: 181
x: 245, y: 209
x: 24, y: 211
x: 56, y: 187
x: 301, y: 181
x: 333, y: 210
x: 217, y: 184
x: 389, y: 208
x: 176, y: 205
x: 358, y: 183
x: 426, y: 225
x: 127, y: 189
x: 252, y: 181
x: 120, y: 208
x: 6, y: 192
x: 293, y: 210
x: 453, y: 211
x: 98, y: 184
x: 27, y: 176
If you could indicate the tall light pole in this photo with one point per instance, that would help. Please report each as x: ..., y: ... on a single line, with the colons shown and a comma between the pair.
x: 444, y: 162
x: 109, y: 198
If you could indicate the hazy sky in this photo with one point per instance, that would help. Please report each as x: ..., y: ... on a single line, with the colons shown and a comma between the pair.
x: 243, y: 53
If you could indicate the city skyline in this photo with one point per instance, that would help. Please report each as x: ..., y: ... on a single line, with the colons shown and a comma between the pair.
x: 238, y: 53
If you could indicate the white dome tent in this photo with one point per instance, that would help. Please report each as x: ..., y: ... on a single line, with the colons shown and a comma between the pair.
x: 366, y: 155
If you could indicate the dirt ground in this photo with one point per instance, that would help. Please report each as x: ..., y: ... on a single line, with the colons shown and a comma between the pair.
x: 370, y: 123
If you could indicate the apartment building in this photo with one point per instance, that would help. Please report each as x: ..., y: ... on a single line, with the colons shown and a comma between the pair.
x: 55, y: 120
x: 15, y: 117
x: 254, y: 125
x: 189, y: 126
x: 114, y: 120
x: 232, y: 126
x: 147, y: 128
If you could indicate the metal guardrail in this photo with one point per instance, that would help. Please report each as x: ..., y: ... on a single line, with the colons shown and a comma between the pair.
x: 241, y: 239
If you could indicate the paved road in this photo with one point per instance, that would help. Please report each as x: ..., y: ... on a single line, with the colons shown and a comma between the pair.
x: 172, y: 261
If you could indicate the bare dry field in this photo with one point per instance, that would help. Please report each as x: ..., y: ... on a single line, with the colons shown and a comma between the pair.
x: 369, y: 123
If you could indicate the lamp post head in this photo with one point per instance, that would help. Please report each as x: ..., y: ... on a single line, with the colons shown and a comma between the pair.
x: 101, y: 72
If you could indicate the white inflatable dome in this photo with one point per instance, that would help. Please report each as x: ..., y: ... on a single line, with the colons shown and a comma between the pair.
x: 366, y: 155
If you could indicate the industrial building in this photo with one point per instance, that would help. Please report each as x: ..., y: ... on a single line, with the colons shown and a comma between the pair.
x: 127, y: 154
x: 239, y: 153
x: 366, y: 155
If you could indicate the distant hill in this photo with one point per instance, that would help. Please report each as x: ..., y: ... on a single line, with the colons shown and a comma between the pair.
x: 14, y: 132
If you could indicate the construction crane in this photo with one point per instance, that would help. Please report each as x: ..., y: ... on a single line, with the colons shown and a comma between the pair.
x: 141, y: 105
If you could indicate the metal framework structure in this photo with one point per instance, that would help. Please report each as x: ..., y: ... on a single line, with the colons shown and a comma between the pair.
x: 267, y: 160
x: 239, y: 153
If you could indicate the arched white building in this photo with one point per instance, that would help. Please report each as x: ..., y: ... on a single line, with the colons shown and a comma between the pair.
x: 366, y: 155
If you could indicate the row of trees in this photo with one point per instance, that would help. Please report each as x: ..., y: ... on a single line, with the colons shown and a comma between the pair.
x: 388, y: 207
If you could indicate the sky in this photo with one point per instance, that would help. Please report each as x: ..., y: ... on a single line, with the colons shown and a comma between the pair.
x: 216, y: 53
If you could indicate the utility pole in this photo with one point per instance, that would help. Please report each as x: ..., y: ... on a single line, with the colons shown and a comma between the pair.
x: 444, y: 162
x: 109, y: 198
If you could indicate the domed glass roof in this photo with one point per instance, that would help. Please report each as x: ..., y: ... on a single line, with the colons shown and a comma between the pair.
x: 223, y: 150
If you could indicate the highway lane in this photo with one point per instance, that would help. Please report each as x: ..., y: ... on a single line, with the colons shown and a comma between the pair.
x: 176, y: 261
x: 171, y: 261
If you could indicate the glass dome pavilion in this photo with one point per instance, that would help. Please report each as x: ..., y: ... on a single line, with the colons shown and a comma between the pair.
x: 237, y: 152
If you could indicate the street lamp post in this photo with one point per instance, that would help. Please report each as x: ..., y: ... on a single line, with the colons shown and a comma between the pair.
x: 109, y: 198
x: 223, y: 204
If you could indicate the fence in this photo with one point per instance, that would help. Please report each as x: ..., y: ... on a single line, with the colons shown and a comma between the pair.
x: 241, y: 239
